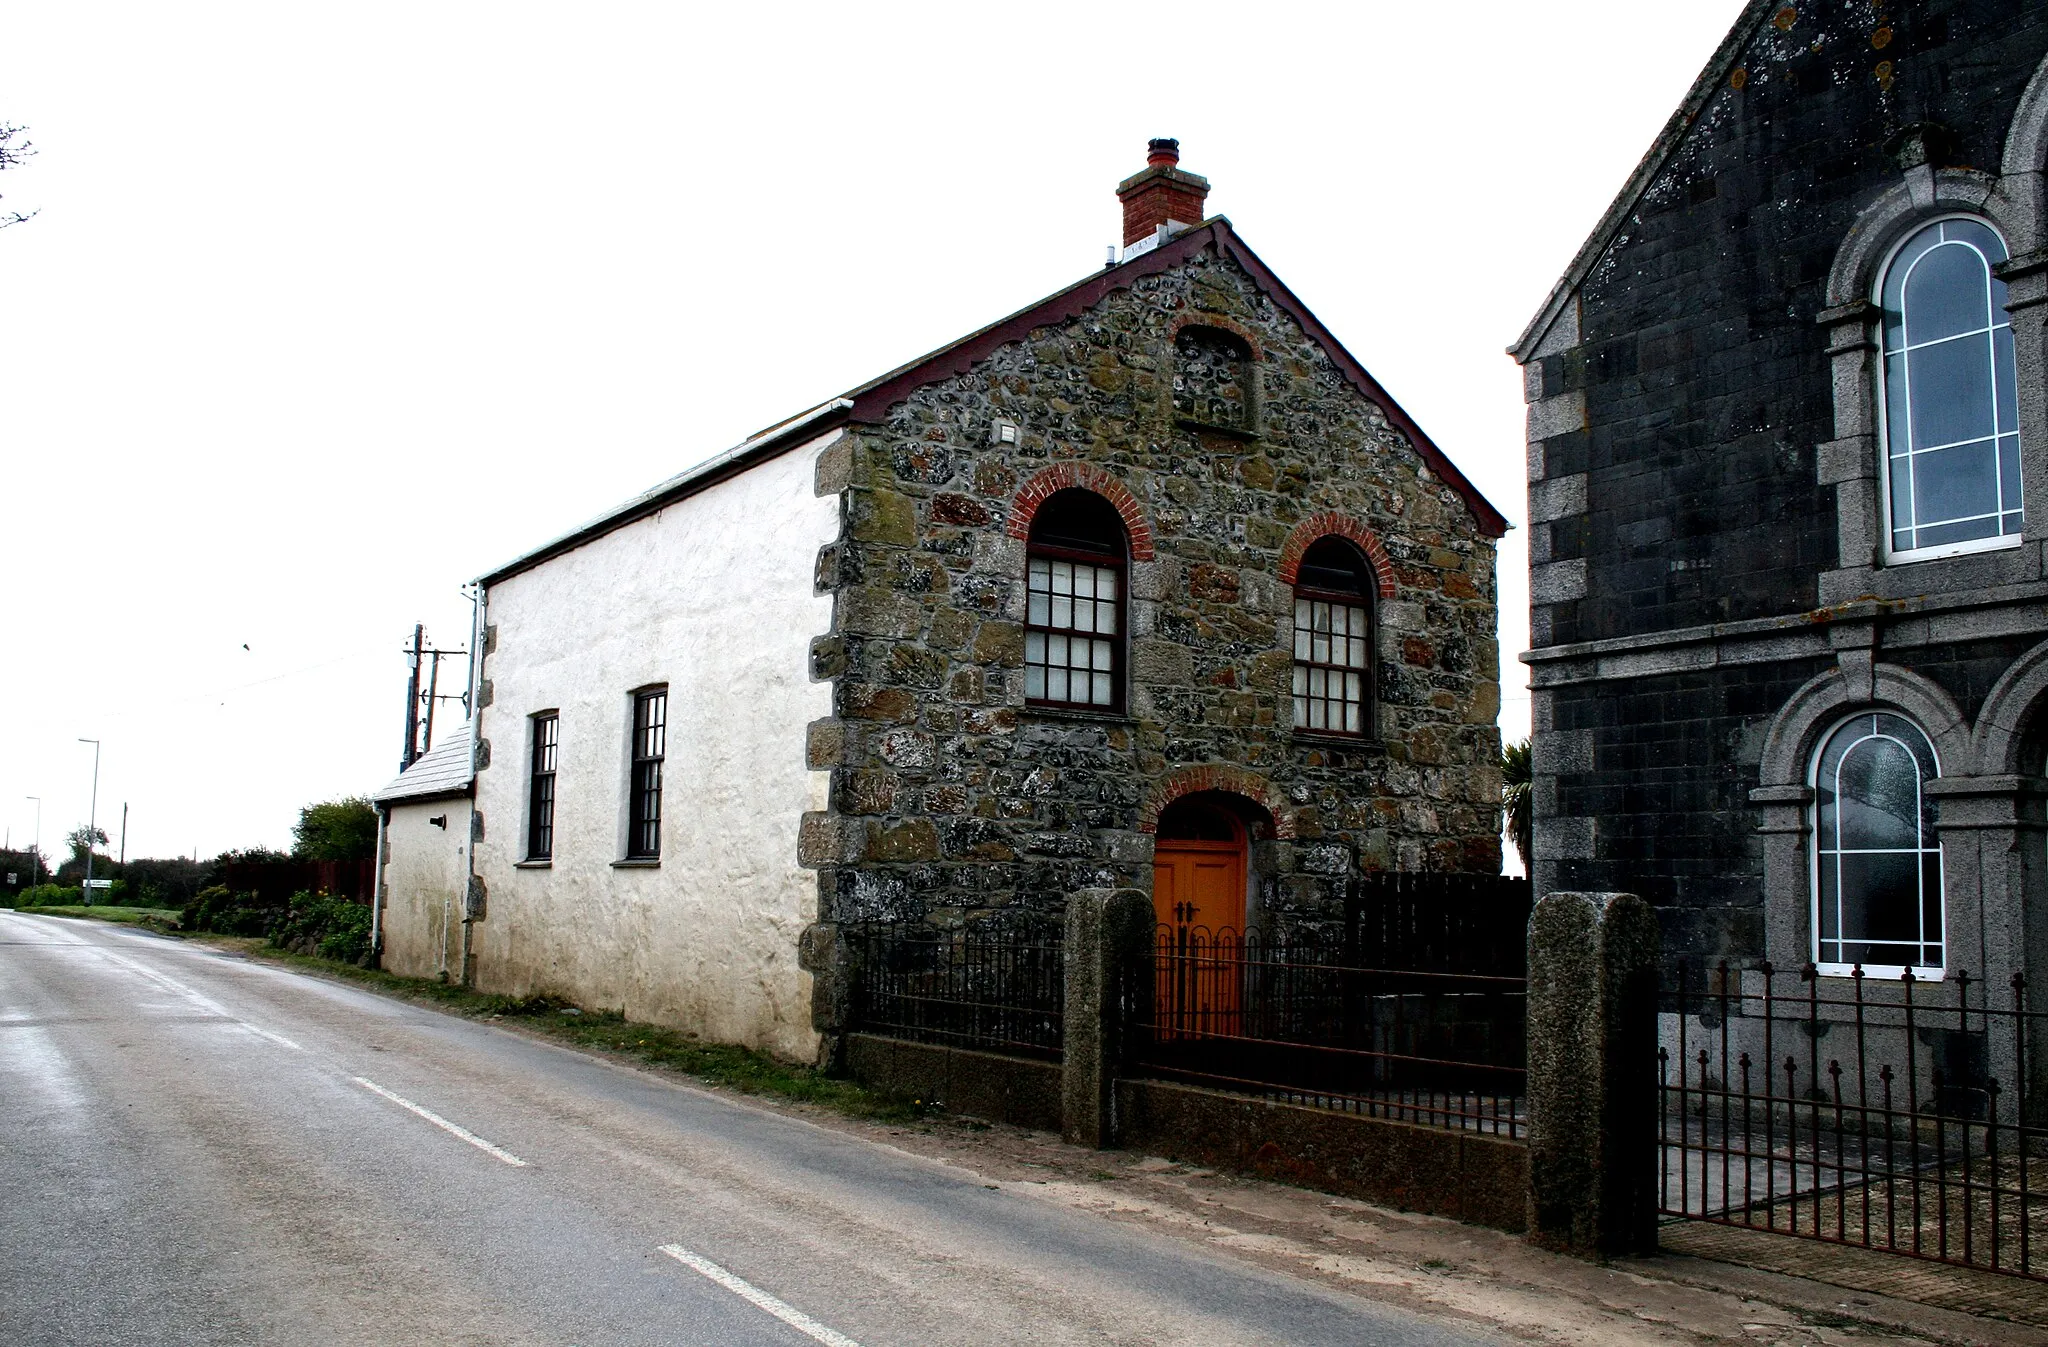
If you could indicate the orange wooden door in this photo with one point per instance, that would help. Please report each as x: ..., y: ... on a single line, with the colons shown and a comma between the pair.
x: 1198, y: 897
x: 1199, y: 884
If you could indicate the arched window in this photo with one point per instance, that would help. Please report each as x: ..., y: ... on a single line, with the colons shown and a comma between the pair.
x: 1074, y: 619
x: 1951, y: 414
x: 1333, y: 639
x: 1876, y: 860
x: 1212, y: 378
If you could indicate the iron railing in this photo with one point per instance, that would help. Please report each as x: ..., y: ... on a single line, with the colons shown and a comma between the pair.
x: 1434, y: 922
x: 1294, y: 1019
x: 997, y: 989
x: 1894, y: 1113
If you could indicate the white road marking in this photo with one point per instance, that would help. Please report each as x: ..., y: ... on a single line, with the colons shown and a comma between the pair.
x: 33, y: 1055
x: 496, y: 1152
x: 205, y: 1003
x: 196, y: 998
x: 789, y: 1314
x: 261, y: 1032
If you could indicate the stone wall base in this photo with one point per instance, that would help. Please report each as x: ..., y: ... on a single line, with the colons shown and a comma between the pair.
x: 1463, y: 1175
x: 1015, y: 1090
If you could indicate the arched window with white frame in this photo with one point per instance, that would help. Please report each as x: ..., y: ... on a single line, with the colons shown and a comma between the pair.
x: 1877, y: 899
x: 1950, y: 398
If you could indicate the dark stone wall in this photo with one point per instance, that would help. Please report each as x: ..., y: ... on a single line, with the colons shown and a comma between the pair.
x: 1705, y: 374
x: 1676, y: 759
x: 1966, y: 670
x: 1707, y: 386
x: 951, y: 799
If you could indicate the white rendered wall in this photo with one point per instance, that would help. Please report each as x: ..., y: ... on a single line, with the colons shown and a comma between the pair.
x: 714, y: 597
x: 426, y: 871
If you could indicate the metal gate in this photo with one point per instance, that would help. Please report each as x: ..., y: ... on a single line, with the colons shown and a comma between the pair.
x: 1874, y: 1109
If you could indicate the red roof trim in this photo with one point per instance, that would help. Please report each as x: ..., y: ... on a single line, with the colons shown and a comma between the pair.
x: 1491, y: 521
x: 871, y: 402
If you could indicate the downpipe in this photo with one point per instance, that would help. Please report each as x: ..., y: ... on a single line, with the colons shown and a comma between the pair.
x: 377, y: 892
x: 473, y: 699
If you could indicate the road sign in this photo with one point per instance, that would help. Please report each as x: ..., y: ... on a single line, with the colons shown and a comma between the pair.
x: 99, y: 883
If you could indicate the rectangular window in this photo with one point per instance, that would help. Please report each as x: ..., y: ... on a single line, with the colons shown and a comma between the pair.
x: 1331, y: 663
x: 1070, y: 637
x: 650, y: 744
x: 540, y: 795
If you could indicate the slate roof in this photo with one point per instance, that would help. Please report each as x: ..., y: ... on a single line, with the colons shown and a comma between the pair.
x: 869, y: 403
x: 444, y: 769
x: 1661, y: 149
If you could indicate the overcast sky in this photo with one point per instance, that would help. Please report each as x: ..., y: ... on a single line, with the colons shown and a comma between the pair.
x: 327, y: 309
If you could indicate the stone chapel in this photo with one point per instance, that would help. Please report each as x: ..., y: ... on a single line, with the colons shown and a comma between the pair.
x: 1148, y: 585
x: 1787, y: 418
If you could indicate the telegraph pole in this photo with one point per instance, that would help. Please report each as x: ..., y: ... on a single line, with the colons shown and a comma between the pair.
x: 433, y: 690
x: 412, y: 698
x: 92, y: 824
x: 419, y: 705
x: 36, y: 865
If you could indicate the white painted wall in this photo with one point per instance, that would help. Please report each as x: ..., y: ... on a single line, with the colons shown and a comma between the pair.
x: 426, y: 871
x: 713, y: 596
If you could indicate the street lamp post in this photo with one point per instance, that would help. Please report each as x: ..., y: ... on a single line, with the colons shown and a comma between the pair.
x: 36, y: 863
x: 93, y: 816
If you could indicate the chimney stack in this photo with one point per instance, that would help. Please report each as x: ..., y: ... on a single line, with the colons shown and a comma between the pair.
x: 1161, y: 194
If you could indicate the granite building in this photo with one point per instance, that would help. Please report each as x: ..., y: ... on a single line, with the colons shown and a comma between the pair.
x: 1149, y: 585
x: 1788, y: 493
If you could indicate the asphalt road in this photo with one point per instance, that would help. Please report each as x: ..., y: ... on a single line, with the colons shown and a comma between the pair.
x: 197, y: 1149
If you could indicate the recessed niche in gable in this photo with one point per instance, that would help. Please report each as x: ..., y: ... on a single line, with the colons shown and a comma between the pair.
x: 1212, y: 380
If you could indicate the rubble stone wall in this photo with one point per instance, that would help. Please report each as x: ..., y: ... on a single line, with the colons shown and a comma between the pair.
x: 951, y: 800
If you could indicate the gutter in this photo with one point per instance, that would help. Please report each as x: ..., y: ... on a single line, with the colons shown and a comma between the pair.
x: 769, y: 443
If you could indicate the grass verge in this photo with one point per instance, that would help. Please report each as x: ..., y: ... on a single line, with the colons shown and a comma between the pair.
x: 610, y: 1033
x: 157, y: 918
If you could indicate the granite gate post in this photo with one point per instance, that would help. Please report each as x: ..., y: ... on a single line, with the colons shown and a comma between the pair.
x: 1593, y: 1074
x: 824, y: 952
x: 1108, y: 933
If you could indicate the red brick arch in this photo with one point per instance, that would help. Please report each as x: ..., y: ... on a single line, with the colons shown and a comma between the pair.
x: 1219, y: 777
x: 1088, y: 477
x: 1328, y: 523
x: 1221, y: 324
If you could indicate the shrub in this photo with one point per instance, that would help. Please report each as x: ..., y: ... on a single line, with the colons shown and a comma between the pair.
x: 333, y: 928
x: 171, y: 882
x: 1517, y: 797
x: 336, y: 830
x: 51, y: 895
x: 225, y: 912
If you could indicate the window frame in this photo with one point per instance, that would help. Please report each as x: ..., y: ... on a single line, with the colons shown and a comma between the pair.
x: 1923, y: 973
x: 643, y: 829
x: 1363, y: 599
x: 1881, y: 409
x: 1119, y: 644
x: 544, y: 736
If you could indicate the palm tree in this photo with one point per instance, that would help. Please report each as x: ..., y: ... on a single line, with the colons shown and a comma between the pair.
x: 1516, y: 782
